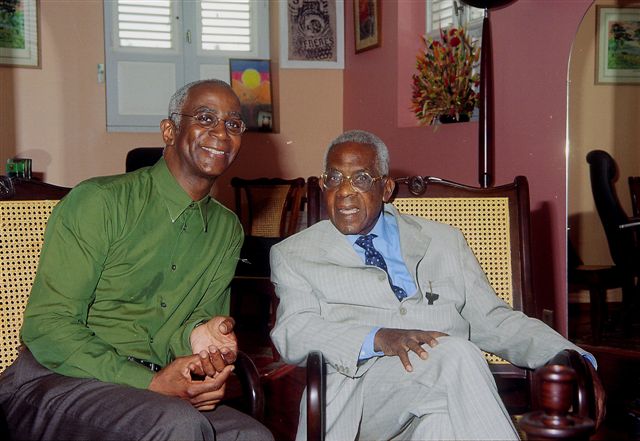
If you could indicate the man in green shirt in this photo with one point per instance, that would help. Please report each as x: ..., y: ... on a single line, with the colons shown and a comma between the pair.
x: 132, y: 295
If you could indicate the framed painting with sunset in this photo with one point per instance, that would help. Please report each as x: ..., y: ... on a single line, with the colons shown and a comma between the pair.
x: 251, y: 81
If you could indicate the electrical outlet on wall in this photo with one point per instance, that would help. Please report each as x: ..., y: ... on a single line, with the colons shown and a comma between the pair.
x: 547, y: 317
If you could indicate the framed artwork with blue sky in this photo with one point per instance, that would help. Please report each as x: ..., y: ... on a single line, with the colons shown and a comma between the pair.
x: 251, y: 81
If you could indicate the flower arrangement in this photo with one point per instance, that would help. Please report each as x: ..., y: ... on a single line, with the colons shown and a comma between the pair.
x: 445, y: 85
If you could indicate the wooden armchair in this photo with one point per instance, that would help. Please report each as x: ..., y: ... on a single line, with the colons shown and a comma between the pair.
x: 25, y: 206
x: 495, y: 222
x: 622, y: 232
x: 268, y: 207
x: 269, y: 210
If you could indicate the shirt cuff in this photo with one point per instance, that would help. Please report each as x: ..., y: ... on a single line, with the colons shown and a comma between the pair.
x: 591, y: 359
x: 367, y: 351
x: 134, y: 374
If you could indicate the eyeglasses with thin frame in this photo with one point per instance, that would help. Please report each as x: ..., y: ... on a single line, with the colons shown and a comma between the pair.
x: 209, y: 120
x: 360, y: 181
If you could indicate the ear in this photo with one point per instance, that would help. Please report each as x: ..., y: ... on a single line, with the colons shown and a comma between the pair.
x: 389, y: 186
x: 168, y: 130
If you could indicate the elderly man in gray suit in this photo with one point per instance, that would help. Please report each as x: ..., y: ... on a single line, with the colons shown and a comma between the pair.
x: 401, y: 309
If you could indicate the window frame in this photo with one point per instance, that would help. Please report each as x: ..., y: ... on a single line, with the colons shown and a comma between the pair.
x: 190, y: 63
x: 472, y: 25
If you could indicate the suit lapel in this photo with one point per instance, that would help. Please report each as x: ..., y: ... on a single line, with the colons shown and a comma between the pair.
x: 337, y: 249
x: 414, y: 242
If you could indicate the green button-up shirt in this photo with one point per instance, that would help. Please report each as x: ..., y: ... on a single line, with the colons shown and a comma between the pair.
x: 130, y: 265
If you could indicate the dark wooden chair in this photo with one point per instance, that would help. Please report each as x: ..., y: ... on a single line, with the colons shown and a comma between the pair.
x: 142, y: 157
x: 620, y: 230
x: 598, y: 279
x: 495, y: 222
x: 25, y: 206
x: 269, y: 210
x: 634, y: 192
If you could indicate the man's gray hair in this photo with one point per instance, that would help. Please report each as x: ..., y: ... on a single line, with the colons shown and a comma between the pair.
x: 178, y: 98
x: 365, y: 138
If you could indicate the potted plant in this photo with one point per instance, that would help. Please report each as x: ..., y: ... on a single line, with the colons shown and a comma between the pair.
x: 444, y: 88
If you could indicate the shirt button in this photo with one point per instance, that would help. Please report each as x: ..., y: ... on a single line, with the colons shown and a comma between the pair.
x: 403, y: 310
x: 163, y: 304
x: 173, y: 267
x: 151, y: 340
x: 191, y: 205
x: 382, y: 277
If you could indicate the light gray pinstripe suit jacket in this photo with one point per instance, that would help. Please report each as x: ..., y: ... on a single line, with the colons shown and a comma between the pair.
x: 329, y: 300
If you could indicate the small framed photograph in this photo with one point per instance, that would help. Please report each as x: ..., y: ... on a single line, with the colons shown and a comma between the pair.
x: 312, y: 34
x: 19, y: 33
x: 367, y: 26
x: 251, y: 81
x: 618, y: 45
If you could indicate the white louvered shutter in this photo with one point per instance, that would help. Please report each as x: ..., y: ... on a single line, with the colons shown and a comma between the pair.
x: 226, y: 25
x: 145, y: 24
x: 153, y: 47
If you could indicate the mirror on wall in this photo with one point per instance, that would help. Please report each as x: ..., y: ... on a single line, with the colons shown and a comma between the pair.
x: 603, y: 116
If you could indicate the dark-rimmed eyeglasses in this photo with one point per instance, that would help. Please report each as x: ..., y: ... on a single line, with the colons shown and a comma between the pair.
x: 209, y: 120
x: 360, y: 181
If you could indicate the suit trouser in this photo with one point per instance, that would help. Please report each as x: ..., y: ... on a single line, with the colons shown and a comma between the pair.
x: 40, y: 404
x: 451, y: 395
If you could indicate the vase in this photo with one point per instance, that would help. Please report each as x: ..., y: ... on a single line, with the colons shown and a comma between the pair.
x: 448, y: 119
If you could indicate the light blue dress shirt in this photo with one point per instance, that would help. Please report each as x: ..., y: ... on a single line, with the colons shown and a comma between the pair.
x: 386, y: 242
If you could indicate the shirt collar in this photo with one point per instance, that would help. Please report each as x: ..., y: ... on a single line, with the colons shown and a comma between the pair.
x: 175, y: 198
x: 379, y: 229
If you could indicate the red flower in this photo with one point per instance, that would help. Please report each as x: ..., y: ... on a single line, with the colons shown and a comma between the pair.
x: 445, y: 81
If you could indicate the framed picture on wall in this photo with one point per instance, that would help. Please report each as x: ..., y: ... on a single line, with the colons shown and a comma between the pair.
x: 618, y: 45
x: 251, y: 81
x: 312, y: 34
x: 19, y: 33
x: 367, y: 25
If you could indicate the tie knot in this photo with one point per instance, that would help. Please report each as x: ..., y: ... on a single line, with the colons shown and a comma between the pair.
x: 366, y: 241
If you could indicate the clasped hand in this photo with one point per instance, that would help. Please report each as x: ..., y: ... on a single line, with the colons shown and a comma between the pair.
x: 399, y: 342
x: 200, y: 378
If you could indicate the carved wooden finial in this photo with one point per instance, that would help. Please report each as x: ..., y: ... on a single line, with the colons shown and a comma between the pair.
x: 417, y: 185
x: 555, y: 421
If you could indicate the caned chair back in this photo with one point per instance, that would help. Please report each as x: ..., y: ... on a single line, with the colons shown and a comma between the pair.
x: 25, y: 207
x: 268, y: 207
x: 495, y: 223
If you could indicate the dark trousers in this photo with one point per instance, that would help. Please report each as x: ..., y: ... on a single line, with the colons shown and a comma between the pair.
x: 40, y: 404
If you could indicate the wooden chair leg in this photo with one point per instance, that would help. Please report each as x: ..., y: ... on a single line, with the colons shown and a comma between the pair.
x: 629, y: 291
x: 598, y: 303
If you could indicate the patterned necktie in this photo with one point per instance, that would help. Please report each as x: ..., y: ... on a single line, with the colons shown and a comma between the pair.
x: 373, y: 257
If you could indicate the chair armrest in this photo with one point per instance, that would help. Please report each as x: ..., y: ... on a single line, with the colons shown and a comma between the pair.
x: 316, y: 372
x: 252, y: 392
x: 584, y: 400
x: 556, y: 421
x: 635, y: 222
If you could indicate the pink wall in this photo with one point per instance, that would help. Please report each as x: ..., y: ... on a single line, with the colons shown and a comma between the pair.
x: 531, y: 43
